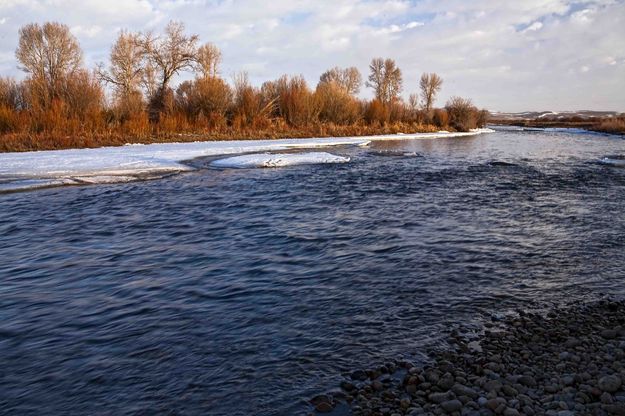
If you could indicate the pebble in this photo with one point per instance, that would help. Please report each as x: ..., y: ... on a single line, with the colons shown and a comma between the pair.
x: 569, y: 361
x: 451, y: 406
x: 610, y: 383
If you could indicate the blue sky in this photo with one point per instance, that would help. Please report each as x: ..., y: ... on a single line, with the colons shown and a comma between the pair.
x: 505, y: 55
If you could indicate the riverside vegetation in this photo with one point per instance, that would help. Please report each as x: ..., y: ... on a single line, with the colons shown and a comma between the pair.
x: 568, y: 361
x: 61, y: 104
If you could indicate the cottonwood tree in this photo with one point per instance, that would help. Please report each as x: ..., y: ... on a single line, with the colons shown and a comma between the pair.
x: 50, y: 54
x: 385, y: 79
x: 208, y: 58
x: 349, y: 79
x: 413, y: 102
x: 167, y: 55
x: 125, y: 72
x: 430, y: 85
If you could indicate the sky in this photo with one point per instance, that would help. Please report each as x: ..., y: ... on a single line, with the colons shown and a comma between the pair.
x: 506, y: 55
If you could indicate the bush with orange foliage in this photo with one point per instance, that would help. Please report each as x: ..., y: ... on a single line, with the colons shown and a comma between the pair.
x: 376, y: 113
x: 336, y: 105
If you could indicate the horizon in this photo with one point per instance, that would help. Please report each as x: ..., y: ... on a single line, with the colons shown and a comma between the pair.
x: 534, y: 51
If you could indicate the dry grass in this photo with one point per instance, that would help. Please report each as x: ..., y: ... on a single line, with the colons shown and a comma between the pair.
x: 22, y: 142
x: 613, y: 126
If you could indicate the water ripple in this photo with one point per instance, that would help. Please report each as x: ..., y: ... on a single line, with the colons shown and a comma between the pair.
x: 245, y: 292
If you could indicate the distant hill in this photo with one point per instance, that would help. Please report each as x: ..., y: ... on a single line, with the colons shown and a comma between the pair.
x: 552, y: 115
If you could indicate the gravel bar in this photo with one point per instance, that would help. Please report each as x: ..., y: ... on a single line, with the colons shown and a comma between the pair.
x: 567, y: 361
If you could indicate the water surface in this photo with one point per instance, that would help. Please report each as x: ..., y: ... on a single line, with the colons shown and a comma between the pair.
x: 247, y: 291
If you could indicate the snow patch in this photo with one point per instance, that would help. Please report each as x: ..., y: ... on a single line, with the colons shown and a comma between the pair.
x: 118, y: 164
x: 268, y: 160
x: 613, y: 161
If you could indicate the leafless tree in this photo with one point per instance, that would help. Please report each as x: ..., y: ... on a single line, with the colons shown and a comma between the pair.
x: 385, y: 79
x: 208, y: 58
x: 127, y: 63
x: 430, y: 85
x: 349, y: 79
x: 49, y: 53
x: 12, y: 94
x: 413, y: 102
x: 167, y: 55
x: 463, y: 114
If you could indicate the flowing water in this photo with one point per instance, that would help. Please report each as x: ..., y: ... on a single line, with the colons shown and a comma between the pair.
x: 247, y: 291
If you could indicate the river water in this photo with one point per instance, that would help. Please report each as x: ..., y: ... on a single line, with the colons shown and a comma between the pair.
x: 247, y: 291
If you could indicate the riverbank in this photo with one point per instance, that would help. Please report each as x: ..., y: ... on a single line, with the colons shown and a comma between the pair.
x: 616, y: 126
x: 565, y: 362
x: 25, y: 142
x: 30, y: 170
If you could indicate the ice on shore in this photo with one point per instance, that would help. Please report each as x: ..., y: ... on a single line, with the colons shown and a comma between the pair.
x: 268, y: 160
x: 616, y: 161
x: 27, y: 170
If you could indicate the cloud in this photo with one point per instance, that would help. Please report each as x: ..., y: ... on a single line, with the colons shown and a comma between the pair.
x: 505, y: 55
x: 534, y: 27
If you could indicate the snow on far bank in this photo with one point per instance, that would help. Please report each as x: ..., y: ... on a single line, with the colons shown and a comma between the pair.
x: 267, y: 160
x: 616, y: 161
x: 75, y: 166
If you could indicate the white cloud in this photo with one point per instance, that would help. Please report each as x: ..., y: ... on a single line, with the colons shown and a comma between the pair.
x: 534, y: 27
x: 505, y: 55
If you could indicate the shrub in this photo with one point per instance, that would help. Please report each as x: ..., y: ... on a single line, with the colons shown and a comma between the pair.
x: 462, y: 113
x: 8, y: 119
x: 298, y: 105
x: 204, y: 96
x: 482, y: 118
x: 336, y: 104
x: 440, y: 117
x: 376, y: 113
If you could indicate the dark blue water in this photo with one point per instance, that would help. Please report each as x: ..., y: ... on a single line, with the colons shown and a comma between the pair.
x: 239, y: 292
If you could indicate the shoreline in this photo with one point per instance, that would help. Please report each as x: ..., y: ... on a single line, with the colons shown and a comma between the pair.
x: 567, y: 361
x: 136, y: 161
x: 589, y: 126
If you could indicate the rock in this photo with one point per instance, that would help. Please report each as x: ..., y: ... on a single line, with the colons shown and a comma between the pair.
x: 493, y: 385
x: 493, y: 404
x: 446, y: 382
x: 324, y: 407
x: 404, y: 404
x: 527, y: 381
x: 439, y: 397
x: 511, y: 412
x: 609, y: 334
x: 461, y: 390
x: 509, y: 390
x: 359, y: 375
x: 609, y: 384
x: 347, y: 386
x: 320, y: 398
x: 451, y: 406
x: 614, y: 409
x: 377, y: 385
x: 606, y: 398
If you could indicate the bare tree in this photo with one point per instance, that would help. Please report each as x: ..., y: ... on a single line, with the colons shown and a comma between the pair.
x: 413, y: 102
x: 349, y: 79
x: 49, y: 53
x: 430, y: 85
x: 166, y: 55
x: 463, y: 115
x: 208, y: 58
x: 127, y: 62
x: 385, y: 79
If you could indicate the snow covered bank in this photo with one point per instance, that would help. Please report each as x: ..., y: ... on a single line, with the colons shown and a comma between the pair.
x: 60, y: 167
x: 616, y: 161
x: 267, y: 160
